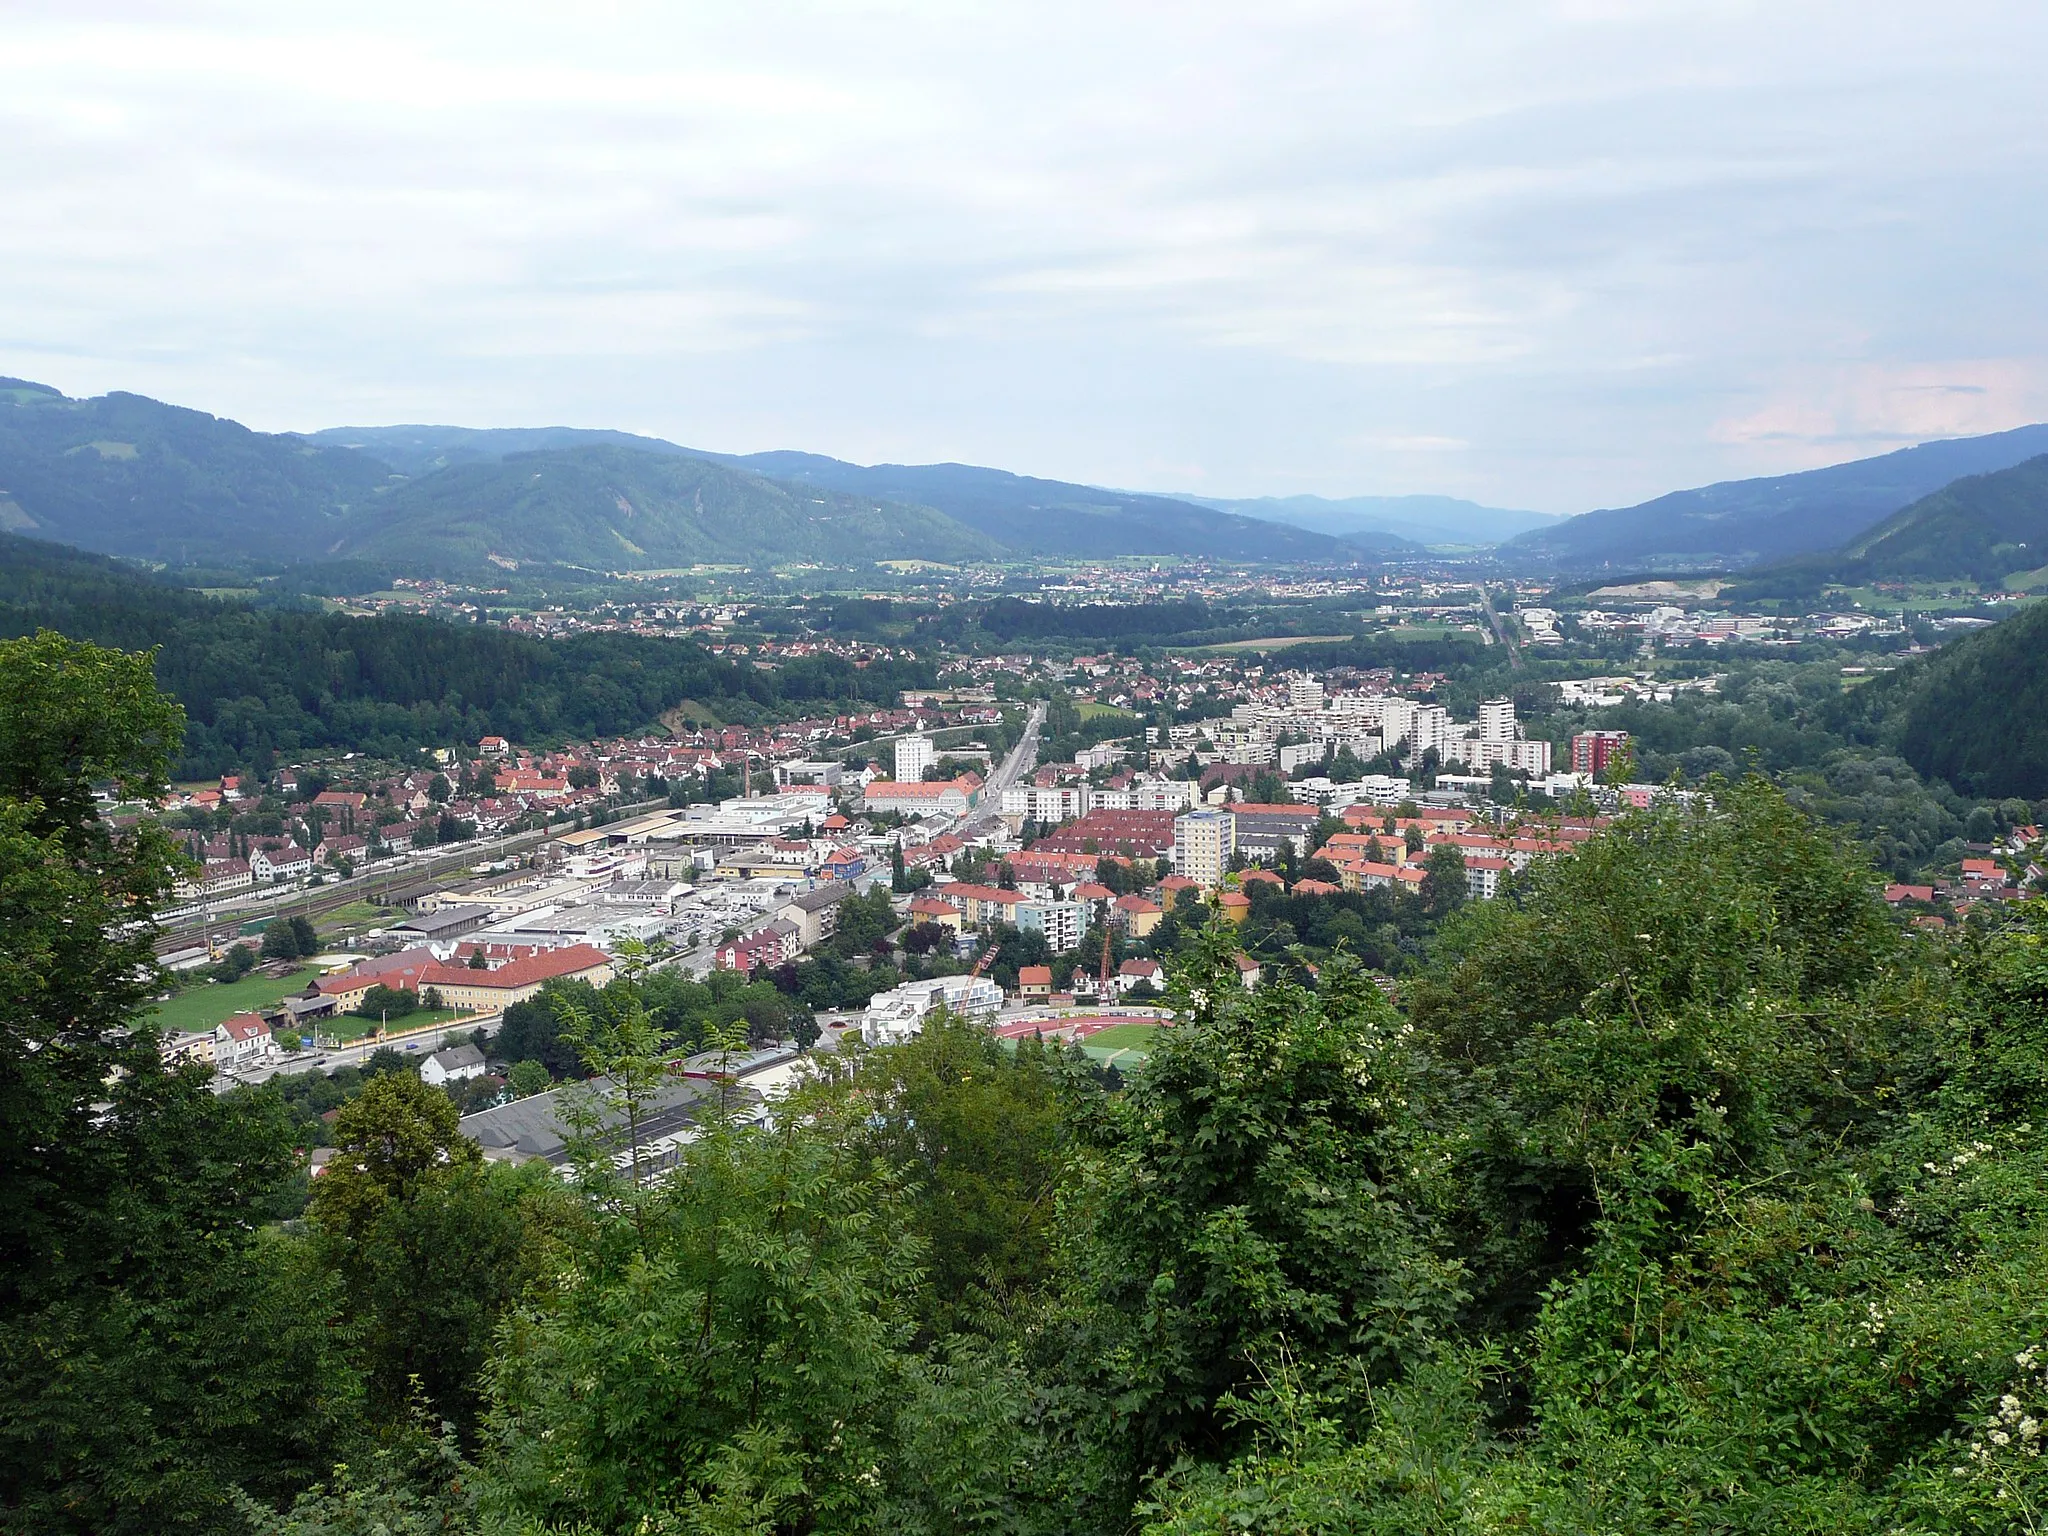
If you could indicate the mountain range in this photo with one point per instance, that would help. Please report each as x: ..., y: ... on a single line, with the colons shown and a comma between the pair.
x: 1752, y: 522
x: 1424, y: 520
x: 127, y: 475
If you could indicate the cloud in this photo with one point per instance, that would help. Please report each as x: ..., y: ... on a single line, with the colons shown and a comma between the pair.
x: 1585, y: 250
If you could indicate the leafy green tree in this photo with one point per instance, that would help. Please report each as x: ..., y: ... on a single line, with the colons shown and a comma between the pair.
x: 387, y: 1140
x: 526, y: 1078
x: 280, y: 940
x: 1443, y: 880
x: 1254, y: 1203
x: 980, y: 1135
x: 152, y: 1356
x: 435, y: 1270
x: 751, y: 1336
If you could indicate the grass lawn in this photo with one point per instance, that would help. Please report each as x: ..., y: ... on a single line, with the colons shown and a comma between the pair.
x: 1124, y: 1037
x: 1090, y: 709
x: 206, y: 1005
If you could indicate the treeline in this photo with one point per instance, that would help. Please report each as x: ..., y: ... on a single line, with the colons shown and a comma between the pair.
x: 256, y: 683
x: 1009, y: 618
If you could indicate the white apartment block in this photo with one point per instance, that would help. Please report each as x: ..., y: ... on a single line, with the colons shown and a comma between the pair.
x: 1530, y: 757
x: 1062, y: 922
x: 1034, y: 802
x: 913, y: 755
x: 1164, y: 794
x: 1292, y: 758
x: 1203, y: 842
x: 1497, y: 720
x: 1304, y: 695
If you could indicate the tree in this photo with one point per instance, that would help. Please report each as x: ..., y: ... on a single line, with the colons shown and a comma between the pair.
x: 382, y: 1002
x: 439, y: 789
x: 772, y: 1284
x: 387, y: 1140
x: 526, y: 1078
x: 1444, y: 886
x: 141, y: 1328
x: 1253, y: 1209
x: 280, y: 940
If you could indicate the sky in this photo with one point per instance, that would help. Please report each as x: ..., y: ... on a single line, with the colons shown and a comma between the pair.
x: 1554, y: 254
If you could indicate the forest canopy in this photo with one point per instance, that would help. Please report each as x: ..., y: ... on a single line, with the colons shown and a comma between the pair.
x: 258, y: 681
x: 1679, y: 1189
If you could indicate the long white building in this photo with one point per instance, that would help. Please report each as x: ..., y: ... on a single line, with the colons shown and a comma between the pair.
x: 898, y: 1015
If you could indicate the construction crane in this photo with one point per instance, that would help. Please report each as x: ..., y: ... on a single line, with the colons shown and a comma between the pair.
x: 987, y: 958
x: 1104, y: 992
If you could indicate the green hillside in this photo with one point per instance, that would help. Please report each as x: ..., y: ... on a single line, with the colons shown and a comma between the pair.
x: 1974, y: 713
x: 256, y: 681
x: 612, y: 508
x: 1983, y: 528
x: 133, y: 476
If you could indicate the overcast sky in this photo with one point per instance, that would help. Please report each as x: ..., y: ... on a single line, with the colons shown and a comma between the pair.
x: 1543, y: 253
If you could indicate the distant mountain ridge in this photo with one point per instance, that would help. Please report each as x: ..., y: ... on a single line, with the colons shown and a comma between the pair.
x: 605, y: 507
x: 1420, y: 520
x: 1054, y: 517
x: 1752, y: 522
x: 124, y: 474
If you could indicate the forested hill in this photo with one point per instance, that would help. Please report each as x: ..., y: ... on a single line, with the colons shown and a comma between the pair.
x: 1984, y: 528
x: 1747, y: 522
x: 1974, y: 713
x: 612, y: 508
x: 132, y: 476
x: 1022, y: 513
x: 260, y: 681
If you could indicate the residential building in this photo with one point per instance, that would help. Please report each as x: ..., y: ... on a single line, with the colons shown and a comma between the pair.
x: 456, y: 1064
x: 1304, y: 695
x: 1497, y: 720
x: 1593, y: 751
x: 1136, y: 915
x: 242, y: 1041
x: 913, y: 755
x: 285, y: 863
x: 1133, y: 972
x: 1203, y: 842
x: 895, y: 1016
x: 943, y: 797
x: 1034, y: 983
x: 815, y: 913
x: 1061, y: 922
x: 1046, y: 803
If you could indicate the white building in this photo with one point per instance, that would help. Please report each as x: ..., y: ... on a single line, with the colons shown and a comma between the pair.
x: 1164, y: 794
x: 456, y: 1064
x: 1292, y: 758
x: 1046, y: 803
x: 1062, y: 922
x: 1530, y: 757
x: 1497, y: 720
x: 1304, y: 695
x: 913, y: 756
x: 1203, y: 842
x: 898, y: 1015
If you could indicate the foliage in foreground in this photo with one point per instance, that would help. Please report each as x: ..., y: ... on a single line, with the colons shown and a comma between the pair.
x: 1686, y: 1193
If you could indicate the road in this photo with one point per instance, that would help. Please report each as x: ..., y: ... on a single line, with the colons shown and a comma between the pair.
x: 1022, y: 759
